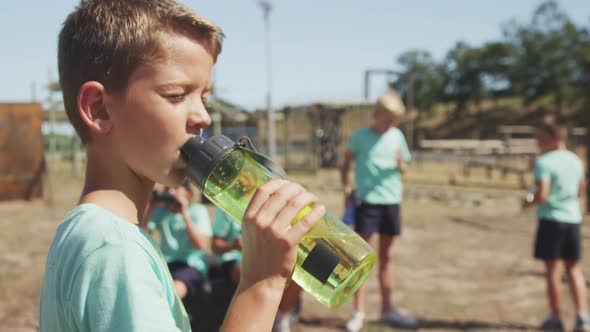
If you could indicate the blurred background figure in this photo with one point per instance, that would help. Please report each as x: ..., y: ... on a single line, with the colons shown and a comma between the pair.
x: 227, y: 244
x: 559, y: 181
x: 184, y: 230
x: 380, y: 153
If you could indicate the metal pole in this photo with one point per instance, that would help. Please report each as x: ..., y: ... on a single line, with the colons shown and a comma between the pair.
x: 53, y: 122
x: 33, y: 92
x: 367, y: 74
x: 410, y: 111
x: 266, y: 8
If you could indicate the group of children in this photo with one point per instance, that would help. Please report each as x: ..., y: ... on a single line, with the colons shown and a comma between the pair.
x: 190, y: 242
x: 135, y: 77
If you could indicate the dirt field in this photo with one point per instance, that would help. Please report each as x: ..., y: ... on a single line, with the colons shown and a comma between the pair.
x: 463, y: 262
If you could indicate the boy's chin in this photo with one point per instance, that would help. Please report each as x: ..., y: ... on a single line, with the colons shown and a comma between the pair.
x: 174, y: 179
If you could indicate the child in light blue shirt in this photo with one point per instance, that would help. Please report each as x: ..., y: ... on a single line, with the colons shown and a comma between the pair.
x: 185, y: 236
x: 135, y: 77
x: 227, y: 242
x: 380, y: 154
x: 560, y: 180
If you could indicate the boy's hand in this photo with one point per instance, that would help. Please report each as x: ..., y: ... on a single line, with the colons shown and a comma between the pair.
x: 269, y: 241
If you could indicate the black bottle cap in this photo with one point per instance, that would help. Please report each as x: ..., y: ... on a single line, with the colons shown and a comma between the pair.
x: 202, y: 156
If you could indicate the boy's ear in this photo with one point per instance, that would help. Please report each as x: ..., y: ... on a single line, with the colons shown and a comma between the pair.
x: 92, y: 107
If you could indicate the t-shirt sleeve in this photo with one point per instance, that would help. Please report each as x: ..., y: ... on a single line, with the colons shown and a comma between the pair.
x: 200, y: 218
x: 541, y: 171
x: 116, y: 289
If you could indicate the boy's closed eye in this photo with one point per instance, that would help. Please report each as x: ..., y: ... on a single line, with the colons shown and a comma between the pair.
x: 175, y: 97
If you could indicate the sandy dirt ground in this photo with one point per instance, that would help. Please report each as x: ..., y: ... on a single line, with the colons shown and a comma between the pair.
x: 463, y: 262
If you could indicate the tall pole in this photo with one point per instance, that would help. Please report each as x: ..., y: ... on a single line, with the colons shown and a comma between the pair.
x: 271, y: 139
x: 53, y: 120
x: 411, y: 111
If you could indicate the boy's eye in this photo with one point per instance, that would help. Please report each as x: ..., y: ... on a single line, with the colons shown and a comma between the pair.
x: 175, y: 97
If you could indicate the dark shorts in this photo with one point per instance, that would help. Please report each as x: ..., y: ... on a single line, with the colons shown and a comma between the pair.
x: 558, y: 240
x: 191, y: 277
x: 371, y: 218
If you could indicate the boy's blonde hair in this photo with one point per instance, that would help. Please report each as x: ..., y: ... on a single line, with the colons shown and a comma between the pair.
x: 392, y: 103
x: 106, y: 40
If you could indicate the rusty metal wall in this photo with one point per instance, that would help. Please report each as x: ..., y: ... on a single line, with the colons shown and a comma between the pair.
x: 21, y: 151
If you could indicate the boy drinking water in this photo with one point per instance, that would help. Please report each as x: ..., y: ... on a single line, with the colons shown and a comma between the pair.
x: 135, y: 76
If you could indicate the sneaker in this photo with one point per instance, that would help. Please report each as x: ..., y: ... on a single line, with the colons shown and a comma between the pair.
x: 552, y: 323
x: 282, y: 322
x: 582, y: 323
x: 355, y: 322
x: 395, y: 317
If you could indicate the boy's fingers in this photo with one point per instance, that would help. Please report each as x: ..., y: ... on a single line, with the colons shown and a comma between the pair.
x: 261, y: 196
x: 286, y: 215
x: 306, y: 223
x: 278, y: 201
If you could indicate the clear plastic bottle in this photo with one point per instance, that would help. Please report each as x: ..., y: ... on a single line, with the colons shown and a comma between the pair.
x: 332, y: 260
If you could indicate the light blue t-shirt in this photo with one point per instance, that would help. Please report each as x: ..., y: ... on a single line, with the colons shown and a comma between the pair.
x: 225, y: 228
x: 377, y: 176
x: 175, y: 242
x: 106, y: 274
x: 565, y: 171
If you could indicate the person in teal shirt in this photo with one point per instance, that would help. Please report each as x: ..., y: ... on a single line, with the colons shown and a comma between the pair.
x: 135, y: 77
x: 380, y: 153
x: 185, y: 233
x: 560, y: 180
x: 227, y: 243
x: 100, y: 271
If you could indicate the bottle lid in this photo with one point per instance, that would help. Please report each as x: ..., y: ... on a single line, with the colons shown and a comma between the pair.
x: 202, y: 156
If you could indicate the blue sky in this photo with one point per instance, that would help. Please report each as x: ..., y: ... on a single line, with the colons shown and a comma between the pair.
x: 320, y: 48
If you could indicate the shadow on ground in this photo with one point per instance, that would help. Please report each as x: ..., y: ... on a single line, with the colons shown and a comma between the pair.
x: 425, y: 325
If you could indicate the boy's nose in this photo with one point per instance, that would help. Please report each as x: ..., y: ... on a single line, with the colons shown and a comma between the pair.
x: 197, y: 120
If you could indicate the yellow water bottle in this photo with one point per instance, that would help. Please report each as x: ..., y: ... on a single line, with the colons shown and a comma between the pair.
x: 332, y: 260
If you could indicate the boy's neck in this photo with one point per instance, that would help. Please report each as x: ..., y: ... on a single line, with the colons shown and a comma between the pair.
x: 114, y: 187
x: 558, y: 146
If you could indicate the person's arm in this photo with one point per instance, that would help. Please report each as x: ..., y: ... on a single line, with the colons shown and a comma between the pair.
x: 199, y: 239
x: 401, y: 164
x: 344, y: 170
x: 542, y: 176
x: 582, y: 188
x: 543, y: 188
x: 269, y: 253
x: 220, y: 245
x: 403, y: 155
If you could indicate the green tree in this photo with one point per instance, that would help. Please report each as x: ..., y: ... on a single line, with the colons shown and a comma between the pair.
x: 545, y: 65
x: 463, y: 81
x: 419, y: 77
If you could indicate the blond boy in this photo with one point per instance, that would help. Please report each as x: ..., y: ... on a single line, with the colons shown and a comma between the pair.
x: 380, y: 153
x: 135, y: 76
